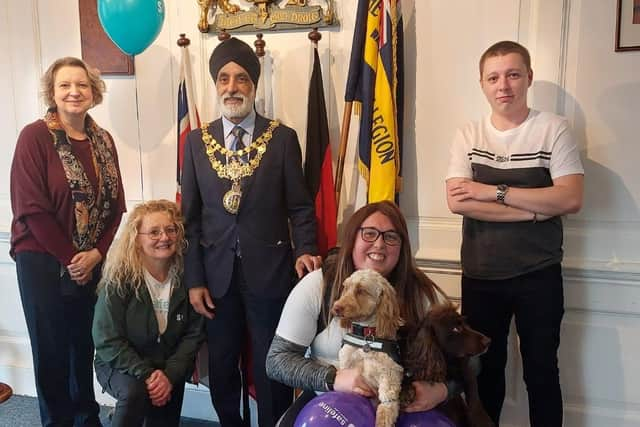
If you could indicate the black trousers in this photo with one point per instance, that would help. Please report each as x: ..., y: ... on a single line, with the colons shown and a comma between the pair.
x: 59, y: 319
x: 536, y: 300
x: 133, y: 406
x: 236, y: 314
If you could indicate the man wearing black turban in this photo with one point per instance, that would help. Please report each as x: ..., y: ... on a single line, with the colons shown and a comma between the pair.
x: 242, y: 186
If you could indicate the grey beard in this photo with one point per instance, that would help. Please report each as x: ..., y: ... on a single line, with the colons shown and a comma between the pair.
x: 236, y: 112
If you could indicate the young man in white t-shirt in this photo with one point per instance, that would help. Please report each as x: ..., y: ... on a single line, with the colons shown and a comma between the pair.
x: 511, y: 176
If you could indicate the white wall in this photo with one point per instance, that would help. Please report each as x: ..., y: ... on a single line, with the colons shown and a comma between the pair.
x: 576, y: 73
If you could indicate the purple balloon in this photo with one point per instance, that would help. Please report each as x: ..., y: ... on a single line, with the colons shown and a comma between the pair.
x: 431, y: 418
x: 337, y: 409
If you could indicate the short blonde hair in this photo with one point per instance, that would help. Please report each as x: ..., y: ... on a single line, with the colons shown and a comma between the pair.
x: 47, y: 82
x: 123, y: 270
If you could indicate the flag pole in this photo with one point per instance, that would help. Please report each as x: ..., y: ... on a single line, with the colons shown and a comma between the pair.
x: 259, y: 44
x: 342, y: 151
x: 353, y: 82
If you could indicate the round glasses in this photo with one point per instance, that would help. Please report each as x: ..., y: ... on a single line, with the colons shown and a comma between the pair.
x: 156, y: 233
x: 371, y: 234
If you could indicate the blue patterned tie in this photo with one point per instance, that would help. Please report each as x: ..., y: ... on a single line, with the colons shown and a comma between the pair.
x: 237, y: 144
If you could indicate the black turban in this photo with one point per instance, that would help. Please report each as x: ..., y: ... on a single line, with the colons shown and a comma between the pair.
x: 234, y: 50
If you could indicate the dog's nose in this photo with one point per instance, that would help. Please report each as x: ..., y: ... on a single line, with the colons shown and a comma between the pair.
x: 337, y: 310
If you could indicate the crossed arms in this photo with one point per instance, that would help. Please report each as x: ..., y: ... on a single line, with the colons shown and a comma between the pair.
x: 478, y: 201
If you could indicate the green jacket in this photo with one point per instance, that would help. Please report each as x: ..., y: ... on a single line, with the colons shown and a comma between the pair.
x: 125, y: 333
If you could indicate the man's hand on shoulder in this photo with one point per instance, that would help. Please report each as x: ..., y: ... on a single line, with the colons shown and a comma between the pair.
x: 201, y: 301
x: 307, y: 263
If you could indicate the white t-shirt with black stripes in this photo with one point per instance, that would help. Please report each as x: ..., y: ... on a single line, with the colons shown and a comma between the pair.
x: 543, y: 140
x: 531, y: 155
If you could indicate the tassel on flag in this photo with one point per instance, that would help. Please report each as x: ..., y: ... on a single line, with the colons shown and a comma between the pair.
x: 317, y: 164
x: 187, y: 113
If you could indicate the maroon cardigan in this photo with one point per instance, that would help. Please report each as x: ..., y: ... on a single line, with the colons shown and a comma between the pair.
x: 43, y: 209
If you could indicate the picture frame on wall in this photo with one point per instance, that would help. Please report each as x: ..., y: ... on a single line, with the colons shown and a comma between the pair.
x: 628, y: 25
x: 97, y: 48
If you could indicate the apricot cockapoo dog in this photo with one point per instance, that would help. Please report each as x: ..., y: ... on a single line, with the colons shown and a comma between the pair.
x: 369, y: 308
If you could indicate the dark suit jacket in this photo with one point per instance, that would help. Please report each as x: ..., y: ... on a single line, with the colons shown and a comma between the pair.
x: 273, y: 195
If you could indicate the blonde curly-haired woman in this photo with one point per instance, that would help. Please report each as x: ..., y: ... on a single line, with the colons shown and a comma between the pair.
x: 145, y: 332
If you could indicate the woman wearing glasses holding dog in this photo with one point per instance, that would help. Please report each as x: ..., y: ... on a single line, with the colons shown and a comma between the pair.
x: 146, y: 333
x: 376, y: 238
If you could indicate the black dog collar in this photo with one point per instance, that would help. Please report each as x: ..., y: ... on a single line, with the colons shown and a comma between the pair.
x: 370, y: 343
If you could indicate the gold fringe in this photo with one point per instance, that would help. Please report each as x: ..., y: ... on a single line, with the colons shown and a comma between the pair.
x: 364, y: 171
x: 357, y: 108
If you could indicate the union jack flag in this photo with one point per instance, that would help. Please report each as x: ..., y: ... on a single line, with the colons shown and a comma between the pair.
x: 187, y: 114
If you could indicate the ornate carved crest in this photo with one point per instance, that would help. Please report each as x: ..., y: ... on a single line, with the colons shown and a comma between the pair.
x: 265, y: 15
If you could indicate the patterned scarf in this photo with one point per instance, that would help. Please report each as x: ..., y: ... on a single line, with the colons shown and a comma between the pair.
x: 92, y: 207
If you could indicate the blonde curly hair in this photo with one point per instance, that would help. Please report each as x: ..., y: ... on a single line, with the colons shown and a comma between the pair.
x: 123, y: 270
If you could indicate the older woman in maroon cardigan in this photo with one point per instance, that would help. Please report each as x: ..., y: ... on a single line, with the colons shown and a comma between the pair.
x: 67, y: 200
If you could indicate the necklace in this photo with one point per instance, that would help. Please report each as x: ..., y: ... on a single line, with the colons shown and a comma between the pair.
x: 233, y: 169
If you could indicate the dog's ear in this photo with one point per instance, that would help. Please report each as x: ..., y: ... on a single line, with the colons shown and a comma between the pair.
x: 388, y: 318
x: 424, y: 356
x: 436, y: 369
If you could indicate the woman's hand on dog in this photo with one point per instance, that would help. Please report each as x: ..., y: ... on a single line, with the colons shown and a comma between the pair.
x: 428, y: 396
x: 351, y: 381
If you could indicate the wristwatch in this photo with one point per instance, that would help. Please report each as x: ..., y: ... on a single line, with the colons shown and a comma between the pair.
x: 501, y: 192
x: 330, y: 378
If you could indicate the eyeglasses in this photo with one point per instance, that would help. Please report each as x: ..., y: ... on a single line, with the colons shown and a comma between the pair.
x: 156, y: 233
x: 371, y: 234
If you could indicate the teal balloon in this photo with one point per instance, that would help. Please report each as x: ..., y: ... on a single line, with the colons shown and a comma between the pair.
x: 131, y: 24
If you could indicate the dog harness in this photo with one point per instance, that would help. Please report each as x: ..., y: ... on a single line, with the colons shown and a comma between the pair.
x: 364, y: 337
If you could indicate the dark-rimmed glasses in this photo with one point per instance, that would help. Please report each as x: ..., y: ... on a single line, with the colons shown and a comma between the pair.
x: 156, y: 233
x: 371, y: 234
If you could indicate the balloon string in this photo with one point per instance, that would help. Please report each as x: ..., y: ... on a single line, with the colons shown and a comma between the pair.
x: 139, y: 139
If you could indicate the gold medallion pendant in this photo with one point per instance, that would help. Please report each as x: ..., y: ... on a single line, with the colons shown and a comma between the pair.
x: 233, y: 169
x: 231, y: 199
